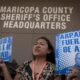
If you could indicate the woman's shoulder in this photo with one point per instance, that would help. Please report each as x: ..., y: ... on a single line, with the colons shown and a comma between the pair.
x: 27, y: 62
x: 49, y: 70
x: 23, y: 66
x: 50, y: 66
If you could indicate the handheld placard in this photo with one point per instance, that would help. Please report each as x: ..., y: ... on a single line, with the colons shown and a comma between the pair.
x: 6, y: 48
x: 67, y: 51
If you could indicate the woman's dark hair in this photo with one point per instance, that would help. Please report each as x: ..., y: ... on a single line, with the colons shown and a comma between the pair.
x: 51, y: 56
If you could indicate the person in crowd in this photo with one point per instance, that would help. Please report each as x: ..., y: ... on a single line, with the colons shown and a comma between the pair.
x: 40, y: 68
x: 73, y: 75
x: 77, y: 61
x: 75, y: 69
x: 57, y: 77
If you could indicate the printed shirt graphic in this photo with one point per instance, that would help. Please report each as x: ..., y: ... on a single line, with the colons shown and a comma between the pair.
x: 25, y: 71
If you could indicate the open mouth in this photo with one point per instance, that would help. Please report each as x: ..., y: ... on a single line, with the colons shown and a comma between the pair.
x: 37, y: 49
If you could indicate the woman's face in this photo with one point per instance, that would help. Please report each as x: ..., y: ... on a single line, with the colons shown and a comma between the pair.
x: 40, y: 48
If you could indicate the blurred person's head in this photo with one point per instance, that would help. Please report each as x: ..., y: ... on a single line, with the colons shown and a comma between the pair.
x: 57, y: 77
x: 77, y: 59
x: 73, y: 74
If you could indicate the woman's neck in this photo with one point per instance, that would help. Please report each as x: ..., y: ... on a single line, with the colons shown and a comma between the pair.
x: 40, y: 60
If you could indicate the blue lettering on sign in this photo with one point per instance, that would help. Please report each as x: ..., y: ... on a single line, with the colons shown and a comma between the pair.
x: 70, y: 35
x: 10, y: 40
x: 8, y: 46
x: 4, y: 54
x: 77, y: 34
x: 67, y: 49
x: 4, y: 40
x: 70, y: 42
x: 77, y: 49
x: 3, y: 47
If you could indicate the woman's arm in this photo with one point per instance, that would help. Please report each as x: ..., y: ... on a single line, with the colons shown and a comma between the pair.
x: 5, y: 71
x: 17, y: 77
x: 7, y: 76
